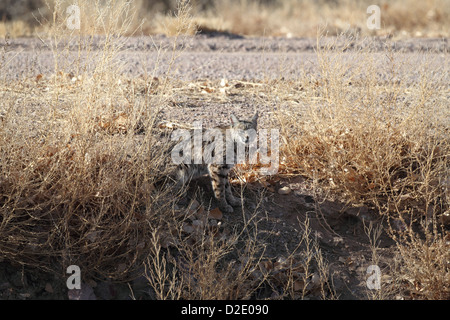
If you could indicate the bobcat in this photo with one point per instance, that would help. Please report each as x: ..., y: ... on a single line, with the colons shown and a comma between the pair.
x: 218, y: 172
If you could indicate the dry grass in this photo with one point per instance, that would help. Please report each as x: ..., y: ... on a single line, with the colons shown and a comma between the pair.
x: 67, y: 198
x: 214, y: 265
x: 78, y: 186
x: 254, y: 18
x: 382, y: 141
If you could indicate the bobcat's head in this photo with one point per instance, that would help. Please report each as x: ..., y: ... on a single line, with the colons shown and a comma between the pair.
x: 244, y: 129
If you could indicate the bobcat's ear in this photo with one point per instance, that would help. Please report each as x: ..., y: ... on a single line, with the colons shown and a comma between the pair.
x: 255, y: 118
x: 234, y: 120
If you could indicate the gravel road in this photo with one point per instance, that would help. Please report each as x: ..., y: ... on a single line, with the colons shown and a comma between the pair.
x: 212, y: 57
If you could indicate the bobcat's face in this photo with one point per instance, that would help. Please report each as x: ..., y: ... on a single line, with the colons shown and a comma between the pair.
x: 242, y: 130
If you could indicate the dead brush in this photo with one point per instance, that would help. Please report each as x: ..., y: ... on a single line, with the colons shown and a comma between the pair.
x: 203, y: 261
x: 382, y: 142
x: 85, y: 198
x: 105, y: 242
x: 423, y: 271
x: 255, y: 18
x: 209, y: 263
x: 360, y: 137
x: 71, y: 191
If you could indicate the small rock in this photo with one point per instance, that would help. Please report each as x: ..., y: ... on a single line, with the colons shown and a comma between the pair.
x: 85, y: 293
x: 445, y: 218
x: 315, y: 279
x: 193, y: 206
x: 284, y: 190
x: 215, y: 214
x: 197, y: 224
x: 48, y: 288
x: 188, y: 228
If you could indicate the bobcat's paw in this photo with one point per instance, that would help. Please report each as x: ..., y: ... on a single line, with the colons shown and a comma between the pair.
x: 226, y: 208
x: 235, y: 202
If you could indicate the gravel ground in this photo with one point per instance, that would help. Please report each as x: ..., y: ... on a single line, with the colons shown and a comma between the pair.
x: 211, y: 57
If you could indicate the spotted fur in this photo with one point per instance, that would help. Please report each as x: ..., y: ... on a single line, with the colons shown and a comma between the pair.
x: 217, y: 172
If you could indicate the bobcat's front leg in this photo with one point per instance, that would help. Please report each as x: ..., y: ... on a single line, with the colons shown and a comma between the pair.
x: 219, y: 180
x: 230, y: 197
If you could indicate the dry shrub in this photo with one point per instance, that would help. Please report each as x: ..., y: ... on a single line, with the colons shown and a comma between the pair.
x: 77, y: 183
x: 244, y: 17
x: 423, y: 270
x: 81, y: 200
x: 303, y: 18
x: 256, y: 18
x: 79, y: 186
x: 379, y: 140
x: 211, y: 263
x: 369, y: 137
x: 207, y: 266
x: 96, y: 18
x: 180, y: 23
x: 416, y: 18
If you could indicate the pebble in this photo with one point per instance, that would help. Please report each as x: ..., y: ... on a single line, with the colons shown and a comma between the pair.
x: 284, y: 190
x: 48, y: 288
